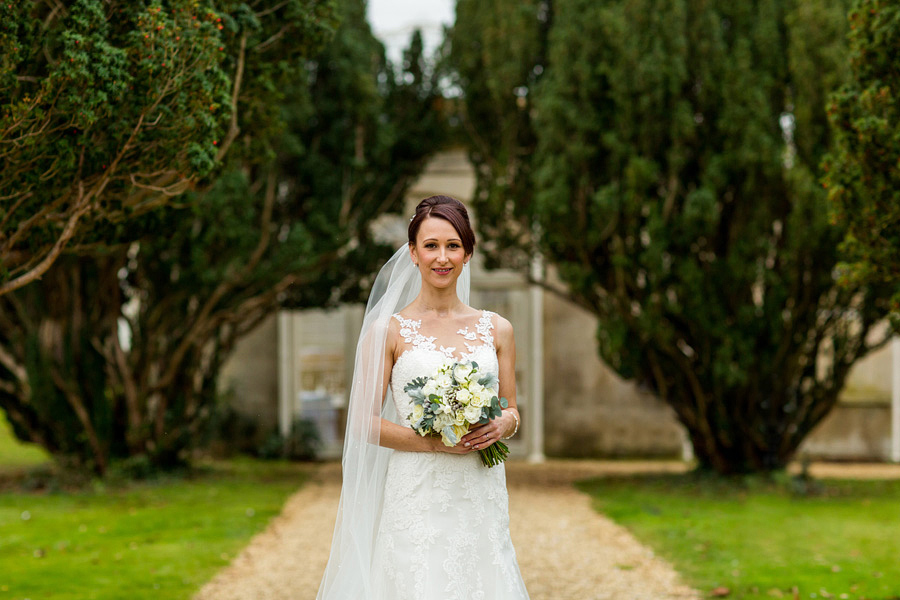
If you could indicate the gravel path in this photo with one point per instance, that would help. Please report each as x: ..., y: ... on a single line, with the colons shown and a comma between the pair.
x: 566, y: 551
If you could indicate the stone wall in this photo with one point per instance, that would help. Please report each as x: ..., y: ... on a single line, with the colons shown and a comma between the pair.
x: 589, y: 410
x: 250, y: 375
x: 851, y: 431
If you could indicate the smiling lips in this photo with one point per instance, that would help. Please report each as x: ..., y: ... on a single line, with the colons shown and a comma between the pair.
x: 440, y: 271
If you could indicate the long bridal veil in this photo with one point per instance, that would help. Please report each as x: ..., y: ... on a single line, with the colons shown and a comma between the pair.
x: 364, y: 463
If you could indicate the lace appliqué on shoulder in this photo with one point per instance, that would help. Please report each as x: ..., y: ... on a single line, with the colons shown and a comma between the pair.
x: 482, y: 330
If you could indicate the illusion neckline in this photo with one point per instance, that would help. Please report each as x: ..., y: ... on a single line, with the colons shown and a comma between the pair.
x: 411, y: 335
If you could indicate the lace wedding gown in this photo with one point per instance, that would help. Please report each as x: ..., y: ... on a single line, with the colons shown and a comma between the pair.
x: 444, y: 529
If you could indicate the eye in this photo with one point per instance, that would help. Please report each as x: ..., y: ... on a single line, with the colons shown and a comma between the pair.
x: 430, y: 245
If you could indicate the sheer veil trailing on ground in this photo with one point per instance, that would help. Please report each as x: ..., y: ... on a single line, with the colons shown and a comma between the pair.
x: 364, y: 461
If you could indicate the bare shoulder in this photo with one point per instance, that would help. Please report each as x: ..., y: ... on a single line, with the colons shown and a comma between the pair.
x: 393, y: 334
x: 503, y: 330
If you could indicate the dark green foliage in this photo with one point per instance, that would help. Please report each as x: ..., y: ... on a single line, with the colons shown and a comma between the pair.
x: 863, y: 170
x: 302, y: 443
x: 229, y: 432
x: 111, y: 109
x: 324, y: 145
x: 498, y: 54
x: 674, y: 181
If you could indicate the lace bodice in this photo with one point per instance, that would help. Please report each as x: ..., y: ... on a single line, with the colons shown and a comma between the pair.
x: 424, y: 357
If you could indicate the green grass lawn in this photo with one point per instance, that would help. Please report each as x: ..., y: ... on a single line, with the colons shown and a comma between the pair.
x: 161, y: 538
x: 762, y: 540
x: 14, y: 454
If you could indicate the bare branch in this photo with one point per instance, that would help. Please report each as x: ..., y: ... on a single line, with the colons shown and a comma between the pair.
x: 18, y: 370
x: 234, y: 129
x: 78, y: 407
x: 25, y: 196
x: 261, y: 47
x: 226, y: 285
x: 51, y: 256
x: 269, y: 11
x: 175, y: 189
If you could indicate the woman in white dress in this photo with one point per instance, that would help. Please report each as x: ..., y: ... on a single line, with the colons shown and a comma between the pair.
x: 419, y: 520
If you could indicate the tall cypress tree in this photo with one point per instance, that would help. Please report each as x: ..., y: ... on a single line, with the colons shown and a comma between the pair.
x: 863, y: 170
x: 331, y: 143
x: 675, y: 186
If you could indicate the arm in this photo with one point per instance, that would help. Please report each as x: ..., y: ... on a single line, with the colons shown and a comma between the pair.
x: 482, y: 436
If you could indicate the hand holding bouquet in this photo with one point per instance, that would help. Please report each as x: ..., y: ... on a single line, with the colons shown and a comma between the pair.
x: 457, y: 396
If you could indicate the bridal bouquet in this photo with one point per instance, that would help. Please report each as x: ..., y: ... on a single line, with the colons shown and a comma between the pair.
x: 456, y: 396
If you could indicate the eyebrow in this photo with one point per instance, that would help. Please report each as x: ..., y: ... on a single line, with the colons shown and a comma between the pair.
x: 437, y: 240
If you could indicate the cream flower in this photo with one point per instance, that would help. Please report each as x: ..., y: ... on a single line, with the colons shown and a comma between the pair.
x: 473, y: 413
x: 463, y: 395
x: 443, y: 380
x: 430, y: 388
x: 441, y: 421
x: 486, y: 396
x: 462, y: 371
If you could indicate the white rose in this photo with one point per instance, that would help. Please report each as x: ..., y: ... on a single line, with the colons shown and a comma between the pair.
x: 430, y: 388
x: 417, y: 413
x: 459, y: 418
x: 478, y: 399
x: 462, y: 371
x: 463, y: 395
x: 487, y: 395
x: 443, y: 380
x: 441, y: 421
x: 473, y: 413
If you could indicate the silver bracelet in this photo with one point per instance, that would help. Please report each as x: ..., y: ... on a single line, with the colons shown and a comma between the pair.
x: 516, y: 430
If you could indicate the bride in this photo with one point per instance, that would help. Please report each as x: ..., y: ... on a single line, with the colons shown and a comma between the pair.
x: 419, y: 520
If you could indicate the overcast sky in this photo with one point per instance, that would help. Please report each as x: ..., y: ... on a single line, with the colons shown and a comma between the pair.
x: 393, y: 21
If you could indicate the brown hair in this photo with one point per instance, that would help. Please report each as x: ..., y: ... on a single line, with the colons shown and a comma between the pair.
x: 449, y: 209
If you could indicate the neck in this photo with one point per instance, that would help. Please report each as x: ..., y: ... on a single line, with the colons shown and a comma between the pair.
x: 439, y: 301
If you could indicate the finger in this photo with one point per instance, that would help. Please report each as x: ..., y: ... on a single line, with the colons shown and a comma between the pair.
x: 474, y: 430
x: 471, y: 436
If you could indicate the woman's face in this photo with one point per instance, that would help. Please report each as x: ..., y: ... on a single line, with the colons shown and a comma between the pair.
x: 439, y: 252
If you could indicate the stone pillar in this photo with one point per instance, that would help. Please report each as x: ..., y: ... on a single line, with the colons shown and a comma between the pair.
x: 536, y: 375
x: 285, y: 372
x: 895, y: 401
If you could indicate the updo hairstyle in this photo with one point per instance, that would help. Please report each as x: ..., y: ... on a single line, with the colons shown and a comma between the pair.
x: 449, y: 209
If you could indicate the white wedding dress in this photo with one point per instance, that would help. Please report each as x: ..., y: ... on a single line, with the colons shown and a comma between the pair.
x: 444, y: 528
